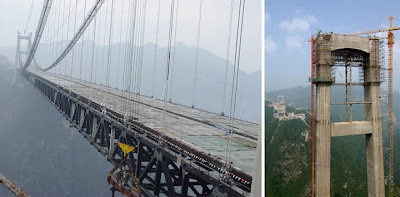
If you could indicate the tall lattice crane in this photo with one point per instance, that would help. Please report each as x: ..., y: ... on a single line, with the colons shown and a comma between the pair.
x: 390, y: 89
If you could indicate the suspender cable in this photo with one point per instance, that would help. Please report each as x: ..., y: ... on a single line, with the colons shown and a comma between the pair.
x: 93, y: 44
x: 51, y: 51
x: 69, y: 14
x: 29, y: 17
x: 62, y: 34
x: 140, y: 55
x: 239, y: 31
x: 73, y: 49
x: 80, y: 64
x: 165, y: 92
x: 54, y: 34
x: 57, y: 35
x: 134, y: 58
x: 124, y: 67
x: 126, y: 61
x: 227, y: 60
x: 87, y: 60
x: 58, y: 25
x: 104, y: 62
x: 131, y: 57
x: 137, y: 56
x: 87, y: 51
x: 142, y: 50
x: 173, y: 54
x: 197, y: 55
x: 54, y: 30
x: 48, y: 53
x: 128, y: 57
x: 120, y: 41
x: 155, y: 49
x: 237, y: 76
x: 109, y: 43
x: 97, y: 48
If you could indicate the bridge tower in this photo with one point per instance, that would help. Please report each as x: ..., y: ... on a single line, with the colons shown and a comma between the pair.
x: 332, y: 51
x: 20, y: 51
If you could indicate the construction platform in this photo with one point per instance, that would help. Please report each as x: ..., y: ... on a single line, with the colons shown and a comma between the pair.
x: 201, y: 130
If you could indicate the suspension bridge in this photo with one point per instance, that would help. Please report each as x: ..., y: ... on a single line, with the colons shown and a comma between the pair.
x: 178, y: 150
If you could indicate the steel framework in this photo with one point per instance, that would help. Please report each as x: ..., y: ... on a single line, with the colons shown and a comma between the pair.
x: 159, y: 169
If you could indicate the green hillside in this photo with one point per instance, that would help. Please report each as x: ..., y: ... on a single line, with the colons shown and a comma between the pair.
x: 288, y: 151
x: 288, y: 160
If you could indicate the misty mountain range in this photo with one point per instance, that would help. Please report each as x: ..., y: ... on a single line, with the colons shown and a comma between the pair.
x: 210, y: 74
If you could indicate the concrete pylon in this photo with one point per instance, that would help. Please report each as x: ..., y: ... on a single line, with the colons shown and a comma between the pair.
x: 19, y: 51
x: 330, y: 49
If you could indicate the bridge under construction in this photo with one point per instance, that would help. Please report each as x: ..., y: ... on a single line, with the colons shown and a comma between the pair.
x: 174, y: 150
x: 191, y: 154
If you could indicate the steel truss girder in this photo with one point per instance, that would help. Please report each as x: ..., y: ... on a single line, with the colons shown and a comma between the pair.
x: 159, y: 170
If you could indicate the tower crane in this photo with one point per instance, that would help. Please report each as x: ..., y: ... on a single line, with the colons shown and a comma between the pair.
x: 390, y: 89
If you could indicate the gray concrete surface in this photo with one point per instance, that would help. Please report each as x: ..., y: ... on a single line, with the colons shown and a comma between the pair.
x: 371, y: 127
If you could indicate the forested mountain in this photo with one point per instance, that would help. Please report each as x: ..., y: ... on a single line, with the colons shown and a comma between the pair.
x: 210, y: 84
x: 288, y: 148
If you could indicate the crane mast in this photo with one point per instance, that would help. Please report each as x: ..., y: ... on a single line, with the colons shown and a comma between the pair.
x: 312, y: 117
x: 390, y: 91
x: 390, y: 102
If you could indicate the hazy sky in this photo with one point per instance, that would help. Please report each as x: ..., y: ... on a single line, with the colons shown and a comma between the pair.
x: 290, y: 23
x: 214, y: 26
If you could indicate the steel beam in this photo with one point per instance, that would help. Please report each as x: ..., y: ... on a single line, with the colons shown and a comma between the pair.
x: 150, y: 162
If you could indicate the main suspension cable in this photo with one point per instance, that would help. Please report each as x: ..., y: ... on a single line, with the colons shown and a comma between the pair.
x: 77, y: 35
x: 39, y: 32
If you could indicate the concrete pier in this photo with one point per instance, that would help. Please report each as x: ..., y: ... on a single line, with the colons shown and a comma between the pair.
x: 330, y: 49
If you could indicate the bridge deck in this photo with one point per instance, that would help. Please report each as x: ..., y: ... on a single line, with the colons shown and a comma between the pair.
x: 193, y: 127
